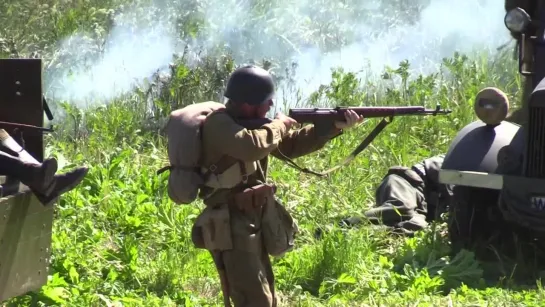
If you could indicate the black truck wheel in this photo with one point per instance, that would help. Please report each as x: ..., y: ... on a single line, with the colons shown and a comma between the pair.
x: 473, y: 219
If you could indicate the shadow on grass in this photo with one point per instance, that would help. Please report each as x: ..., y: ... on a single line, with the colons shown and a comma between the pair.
x: 335, y: 264
x: 512, y: 260
x: 505, y: 261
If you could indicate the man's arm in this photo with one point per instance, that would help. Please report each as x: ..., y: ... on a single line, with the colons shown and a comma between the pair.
x: 314, y: 137
x: 225, y: 135
x: 305, y: 140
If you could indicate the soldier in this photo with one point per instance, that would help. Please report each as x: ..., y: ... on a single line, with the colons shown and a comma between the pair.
x: 244, y: 206
x: 41, y: 178
x: 407, y: 199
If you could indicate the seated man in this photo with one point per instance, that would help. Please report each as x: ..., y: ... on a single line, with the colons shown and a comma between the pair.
x: 41, y: 177
x: 407, y: 199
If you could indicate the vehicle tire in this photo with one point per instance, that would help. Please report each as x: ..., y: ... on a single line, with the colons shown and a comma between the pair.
x: 473, y: 218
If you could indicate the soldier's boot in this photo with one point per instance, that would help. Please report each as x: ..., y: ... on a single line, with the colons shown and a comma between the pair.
x: 410, y: 227
x: 37, y: 176
x: 61, y: 184
x: 40, y: 177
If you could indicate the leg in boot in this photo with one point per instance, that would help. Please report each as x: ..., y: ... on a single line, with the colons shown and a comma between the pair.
x: 61, y: 184
x: 247, y: 277
x: 396, y: 201
x: 246, y: 267
x: 35, y: 176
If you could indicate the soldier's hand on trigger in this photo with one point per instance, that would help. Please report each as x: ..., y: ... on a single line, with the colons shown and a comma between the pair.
x: 288, y: 121
x: 352, y: 118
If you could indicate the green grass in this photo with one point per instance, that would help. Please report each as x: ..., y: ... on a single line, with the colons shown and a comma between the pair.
x: 119, y: 241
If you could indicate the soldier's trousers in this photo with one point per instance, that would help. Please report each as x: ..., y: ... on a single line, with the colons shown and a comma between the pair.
x: 402, y: 206
x: 250, y: 278
x: 247, y: 265
x: 8, y: 164
x: 13, y: 166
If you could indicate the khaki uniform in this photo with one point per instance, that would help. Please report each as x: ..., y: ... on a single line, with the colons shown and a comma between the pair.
x: 240, y: 231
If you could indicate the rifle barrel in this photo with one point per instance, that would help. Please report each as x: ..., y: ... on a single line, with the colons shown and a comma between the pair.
x: 17, y: 125
x: 314, y: 114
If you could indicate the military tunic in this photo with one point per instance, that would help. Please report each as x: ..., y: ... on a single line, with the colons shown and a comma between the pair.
x: 247, y: 265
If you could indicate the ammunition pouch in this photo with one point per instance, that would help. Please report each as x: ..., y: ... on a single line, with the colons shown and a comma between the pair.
x: 197, y: 236
x: 212, y: 229
x: 278, y: 228
x: 253, y: 198
x: 262, y: 218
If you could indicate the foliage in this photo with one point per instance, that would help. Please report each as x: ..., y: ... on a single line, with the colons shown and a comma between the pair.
x: 119, y: 241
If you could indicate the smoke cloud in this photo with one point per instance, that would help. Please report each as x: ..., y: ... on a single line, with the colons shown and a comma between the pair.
x: 442, y: 28
x: 318, y: 35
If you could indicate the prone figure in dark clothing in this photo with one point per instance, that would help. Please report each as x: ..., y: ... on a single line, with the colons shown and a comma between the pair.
x: 406, y: 200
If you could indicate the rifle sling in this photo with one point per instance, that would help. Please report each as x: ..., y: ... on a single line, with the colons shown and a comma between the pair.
x: 370, y: 137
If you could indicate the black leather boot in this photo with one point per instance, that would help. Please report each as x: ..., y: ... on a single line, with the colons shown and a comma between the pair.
x: 61, y: 184
x: 37, y: 176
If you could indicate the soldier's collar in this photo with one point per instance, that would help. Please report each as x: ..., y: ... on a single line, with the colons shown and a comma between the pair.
x: 233, y: 111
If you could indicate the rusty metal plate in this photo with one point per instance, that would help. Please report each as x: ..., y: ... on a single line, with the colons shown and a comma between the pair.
x: 11, y: 186
x: 25, y: 243
x: 21, y: 100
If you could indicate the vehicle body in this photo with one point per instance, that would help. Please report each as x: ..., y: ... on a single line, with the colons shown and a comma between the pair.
x: 496, y: 173
x: 25, y: 224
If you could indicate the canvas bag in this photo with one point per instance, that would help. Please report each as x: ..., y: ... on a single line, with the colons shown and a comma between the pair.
x: 183, y: 131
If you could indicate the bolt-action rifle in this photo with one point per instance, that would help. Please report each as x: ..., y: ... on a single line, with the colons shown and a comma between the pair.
x: 307, y: 115
x: 31, y: 127
x: 322, y: 115
x: 24, y: 126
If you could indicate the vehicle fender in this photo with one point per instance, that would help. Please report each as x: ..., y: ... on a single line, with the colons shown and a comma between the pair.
x: 479, y: 147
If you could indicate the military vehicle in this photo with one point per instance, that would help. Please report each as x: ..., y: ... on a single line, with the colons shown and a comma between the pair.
x: 495, y: 168
x: 25, y: 224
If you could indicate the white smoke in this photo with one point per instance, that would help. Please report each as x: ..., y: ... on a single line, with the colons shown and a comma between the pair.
x: 138, y: 46
x: 127, y: 61
x: 444, y: 27
x: 145, y: 39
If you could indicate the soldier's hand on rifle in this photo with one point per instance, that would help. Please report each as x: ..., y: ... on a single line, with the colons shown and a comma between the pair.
x: 288, y: 121
x: 352, y: 118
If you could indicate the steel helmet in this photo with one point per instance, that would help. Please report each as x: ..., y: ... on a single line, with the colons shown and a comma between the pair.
x: 250, y: 84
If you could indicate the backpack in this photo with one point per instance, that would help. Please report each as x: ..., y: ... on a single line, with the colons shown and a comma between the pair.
x: 183, y: 131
